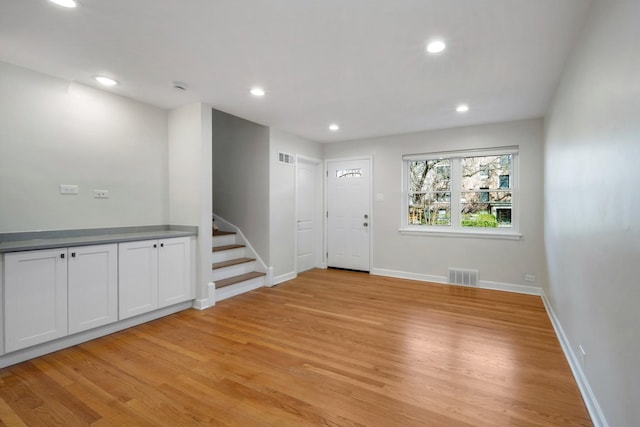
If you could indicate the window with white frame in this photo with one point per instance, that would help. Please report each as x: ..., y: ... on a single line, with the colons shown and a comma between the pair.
x: 462, y: 191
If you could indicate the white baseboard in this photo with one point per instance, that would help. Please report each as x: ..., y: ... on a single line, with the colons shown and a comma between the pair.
x: 284, y: 277
x: 597, y: 416
x: 407, y: 275
x: 483, y: 284
x: 510, y: 287
x: 209, y: 300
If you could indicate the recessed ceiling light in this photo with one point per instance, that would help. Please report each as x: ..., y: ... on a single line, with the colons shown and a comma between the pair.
x: 65, y: 3
x: 105, y: 81
x: 436, y: 46
x: 334, y: 127
x: 462, y: 108
x: 257, y: 91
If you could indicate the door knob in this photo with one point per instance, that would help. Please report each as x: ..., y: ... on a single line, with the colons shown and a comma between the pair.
x: 366, y: 224
x: 366, y: 216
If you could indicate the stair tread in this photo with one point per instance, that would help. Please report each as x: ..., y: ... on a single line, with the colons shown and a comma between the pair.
x: 226, y: 247
x: 237, y: 279
x: 231, y: 262
x: 223, y: 233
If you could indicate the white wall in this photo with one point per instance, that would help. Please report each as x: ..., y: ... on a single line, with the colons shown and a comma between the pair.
x: 282, y: 216
x: 241, y: 177
x: 592, y: 226
x: 55, y: 132
x: 190, y: 185
x: 501, y: 261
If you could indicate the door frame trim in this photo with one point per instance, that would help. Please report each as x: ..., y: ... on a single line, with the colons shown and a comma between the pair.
x: 321, y: 225
x: 325, y: 173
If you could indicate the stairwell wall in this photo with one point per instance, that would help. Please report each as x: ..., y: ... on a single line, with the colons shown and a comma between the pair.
x: 240, y: 160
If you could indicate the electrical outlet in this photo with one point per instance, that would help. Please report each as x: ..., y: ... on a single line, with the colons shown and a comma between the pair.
x: 100, y: 194
x: 529, y: 277
x: 68, y: 189
x: 583, y: 355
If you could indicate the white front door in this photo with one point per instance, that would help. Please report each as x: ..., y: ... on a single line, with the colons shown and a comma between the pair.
x: 348, y: 218
x: 308, y: 214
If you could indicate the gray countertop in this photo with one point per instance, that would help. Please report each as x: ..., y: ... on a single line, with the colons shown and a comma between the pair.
x: 28, y: 241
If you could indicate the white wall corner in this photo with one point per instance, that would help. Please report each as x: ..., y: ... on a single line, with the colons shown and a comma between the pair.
x: 209, y: 301
x: 269, y: 279
x: 593, y: 407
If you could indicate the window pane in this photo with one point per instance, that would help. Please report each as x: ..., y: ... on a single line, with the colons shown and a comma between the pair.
x: 429, y: 175
x: 416, y: 209
x: 430, y: 209
x: 490, y: 172
x: 486, y: 209
x: 486, y: 196
x: 440, y: 213
x: 504, y: 181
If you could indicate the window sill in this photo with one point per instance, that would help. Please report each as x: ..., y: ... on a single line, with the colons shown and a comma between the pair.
x: 421, y: 231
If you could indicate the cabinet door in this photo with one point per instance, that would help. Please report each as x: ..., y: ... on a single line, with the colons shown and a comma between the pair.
x: 35, y: 299
x: 174, y: 271
x: 137, y: 277
x: 92, y: 286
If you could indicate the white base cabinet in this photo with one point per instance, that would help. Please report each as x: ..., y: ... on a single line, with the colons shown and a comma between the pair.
x: 35, y: 297
x: 137, y: 277
x: 174, y: 272
x: 55, y: 292
x: 92, y: 286
x: 153, y: 274
x: 61, y: 295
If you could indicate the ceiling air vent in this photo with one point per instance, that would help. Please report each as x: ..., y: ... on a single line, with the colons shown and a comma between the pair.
x: 286, y: 158
x: 459, y: 276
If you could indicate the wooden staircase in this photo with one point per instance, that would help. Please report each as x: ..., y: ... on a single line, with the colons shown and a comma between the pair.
x: 234, y: 272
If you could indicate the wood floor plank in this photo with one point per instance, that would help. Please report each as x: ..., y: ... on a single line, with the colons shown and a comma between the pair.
x: 329, y: 348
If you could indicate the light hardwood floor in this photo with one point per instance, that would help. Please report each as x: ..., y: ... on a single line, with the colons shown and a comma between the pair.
x: 328, y: 348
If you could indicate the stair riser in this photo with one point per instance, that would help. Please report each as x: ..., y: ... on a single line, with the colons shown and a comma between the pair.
x: 239, y: 288
x: 227, y: 239
x: 227, y: 255
x: 233, y: 270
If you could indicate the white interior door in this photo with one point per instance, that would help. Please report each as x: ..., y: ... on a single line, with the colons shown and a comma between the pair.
x: 348, y: 218
x: 309, y: 214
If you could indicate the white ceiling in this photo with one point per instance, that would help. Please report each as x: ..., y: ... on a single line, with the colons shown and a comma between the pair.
x: 360, y: 63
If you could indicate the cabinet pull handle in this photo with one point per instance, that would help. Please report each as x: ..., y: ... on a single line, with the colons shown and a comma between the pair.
x: 62, y: 256
x: 155, y: 246
x: 73, y: 254
x: 162, y: 245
